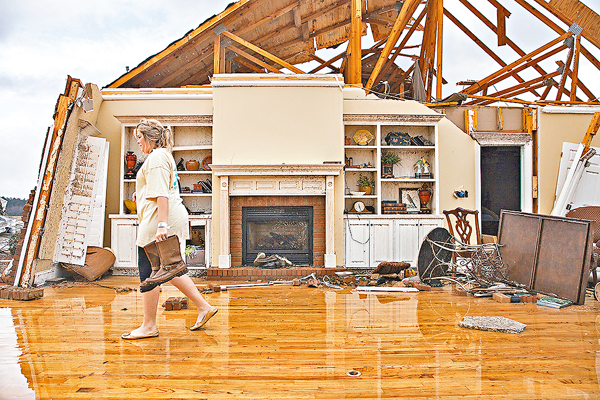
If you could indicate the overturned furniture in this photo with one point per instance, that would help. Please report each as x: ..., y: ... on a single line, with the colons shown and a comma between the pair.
x: 547, y: 254
x: 441, y: 253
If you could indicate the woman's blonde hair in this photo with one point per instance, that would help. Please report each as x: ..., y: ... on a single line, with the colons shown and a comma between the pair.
x: 156, y: 133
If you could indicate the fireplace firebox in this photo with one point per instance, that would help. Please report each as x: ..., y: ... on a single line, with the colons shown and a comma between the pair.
x: 285, y: 231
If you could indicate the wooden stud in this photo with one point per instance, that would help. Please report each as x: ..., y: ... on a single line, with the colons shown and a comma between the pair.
x: 255, y: 60
x: 320, y: 60
x: 476, y: 87
x: 501, y: 15
x: 262, y: 52
x: 328, y: 63
x: 402, y: 44
x: 511, y: 72
x: 591, y: 132
x: 580, y: 84
x: 508, y: 92
x: 575, y: 70
x: 217, y: 55
x: 563, y: 77
x: 243, y: 61
x: 407, y: 10
x: 354, y: 46
x: 440, y: 36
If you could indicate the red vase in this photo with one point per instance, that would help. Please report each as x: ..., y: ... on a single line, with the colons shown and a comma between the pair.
x: 130, y: 161
x: 424, y: 197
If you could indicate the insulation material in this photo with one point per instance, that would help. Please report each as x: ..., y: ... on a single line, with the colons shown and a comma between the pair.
x: 494, y: 324
x: 76, y: 215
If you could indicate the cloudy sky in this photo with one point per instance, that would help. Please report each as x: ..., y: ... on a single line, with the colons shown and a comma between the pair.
x: 41, y: 42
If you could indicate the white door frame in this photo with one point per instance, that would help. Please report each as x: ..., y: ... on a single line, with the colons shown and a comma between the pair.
x: 522, y: 140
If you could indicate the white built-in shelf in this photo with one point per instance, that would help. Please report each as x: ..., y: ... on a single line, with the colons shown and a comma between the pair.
x: 193, y: 148
x: 193, y: 172
x: 409, y: 147
x: 195, y: 194
x: 360, y: 169
x: 360, y: 147
x: 406, y: 180
x: 129, y: 180
x: 364, y: 196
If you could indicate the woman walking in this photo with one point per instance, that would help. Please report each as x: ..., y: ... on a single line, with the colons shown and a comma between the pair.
x: 163, y: 229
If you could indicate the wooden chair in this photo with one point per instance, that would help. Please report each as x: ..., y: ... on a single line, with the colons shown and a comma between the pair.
x: 462, y: 230
x: 590, y: 213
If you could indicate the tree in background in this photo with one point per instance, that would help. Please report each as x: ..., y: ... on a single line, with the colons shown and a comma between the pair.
x: 13, y: 207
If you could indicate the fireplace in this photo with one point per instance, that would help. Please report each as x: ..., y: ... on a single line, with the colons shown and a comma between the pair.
x: 282, y: 185
x: 285, y: 231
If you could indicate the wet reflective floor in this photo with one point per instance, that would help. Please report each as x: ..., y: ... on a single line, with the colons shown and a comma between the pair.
x: 289, y: 342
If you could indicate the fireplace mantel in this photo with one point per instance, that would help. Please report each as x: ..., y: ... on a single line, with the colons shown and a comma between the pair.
x: 280, y: 180
x: 281, y: 169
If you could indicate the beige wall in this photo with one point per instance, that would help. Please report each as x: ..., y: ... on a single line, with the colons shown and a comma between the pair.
x: 457, y: 158
x: 553, y: 130
x: 110, y: 128
x: 279, y: 125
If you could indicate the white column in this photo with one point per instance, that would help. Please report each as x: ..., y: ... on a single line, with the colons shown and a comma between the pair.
x: 330, y: 261
x: 224, y: 248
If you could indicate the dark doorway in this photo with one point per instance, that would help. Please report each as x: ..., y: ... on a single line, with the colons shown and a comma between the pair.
x: 500, y: 184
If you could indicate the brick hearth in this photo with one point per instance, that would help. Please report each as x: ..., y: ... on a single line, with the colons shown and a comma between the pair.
x: 317, y: 202
x: 253, y: 274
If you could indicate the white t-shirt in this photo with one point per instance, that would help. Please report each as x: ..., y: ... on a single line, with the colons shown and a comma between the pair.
x: 158, y: 178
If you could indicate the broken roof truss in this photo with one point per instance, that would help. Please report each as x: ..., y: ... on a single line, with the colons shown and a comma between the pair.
x: 260, y: 36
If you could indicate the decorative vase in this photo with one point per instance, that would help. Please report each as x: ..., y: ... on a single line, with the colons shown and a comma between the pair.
x: 192, y: 165
x: 130, y: 161
x: 424, y: 197
x: 367, y: 189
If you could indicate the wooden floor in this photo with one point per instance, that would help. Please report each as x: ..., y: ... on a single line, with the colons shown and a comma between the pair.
x: 294, y: 343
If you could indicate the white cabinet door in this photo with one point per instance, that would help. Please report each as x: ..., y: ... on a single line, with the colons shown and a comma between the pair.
x: 123, y: 236
x: 408, y: 239
x: 381, y: 241
x: 426, y: 226
x: 357, y: 243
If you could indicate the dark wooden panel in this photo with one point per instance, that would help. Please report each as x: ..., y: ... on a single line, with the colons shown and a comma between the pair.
x: 519, y: 236
x: 547, y: 254
x: 560, y: 265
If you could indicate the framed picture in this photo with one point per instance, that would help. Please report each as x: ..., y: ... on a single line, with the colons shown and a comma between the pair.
x: 410, y: 197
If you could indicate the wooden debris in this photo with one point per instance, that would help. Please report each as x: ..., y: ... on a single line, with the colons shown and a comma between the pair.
x: 501, y: 298
x: 386, y: 268
x: 18, y: 293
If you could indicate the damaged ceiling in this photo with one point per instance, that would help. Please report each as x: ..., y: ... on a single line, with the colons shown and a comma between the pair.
x: 283, y: 36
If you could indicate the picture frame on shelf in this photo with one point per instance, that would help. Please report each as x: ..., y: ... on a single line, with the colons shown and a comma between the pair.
x: 410, y: 197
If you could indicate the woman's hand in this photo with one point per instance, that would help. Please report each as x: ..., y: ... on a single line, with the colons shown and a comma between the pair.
x: 134, y: 196
x: 161, y: 234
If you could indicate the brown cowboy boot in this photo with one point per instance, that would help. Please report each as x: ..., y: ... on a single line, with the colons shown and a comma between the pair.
x: 171, y: 263
x: 151, y: 251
